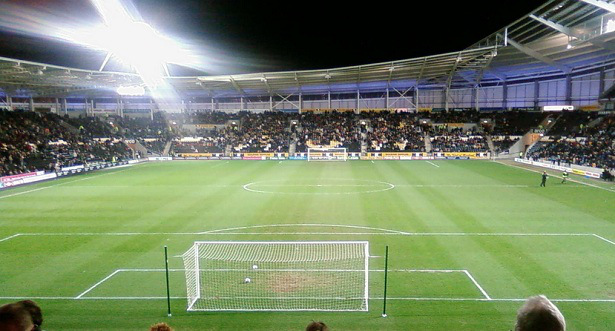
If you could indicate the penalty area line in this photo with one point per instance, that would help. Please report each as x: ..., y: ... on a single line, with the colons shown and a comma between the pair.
x: 10, y: 237
x: 604, y: 239
x: 477, y: 285
x: 433, y: 164
x: 95, y: 285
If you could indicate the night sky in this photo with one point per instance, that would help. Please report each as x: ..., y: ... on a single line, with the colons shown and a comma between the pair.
x: 261, y: 36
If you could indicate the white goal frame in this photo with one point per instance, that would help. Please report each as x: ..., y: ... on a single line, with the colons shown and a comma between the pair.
x: 327, y: 154
x: 194, y: 267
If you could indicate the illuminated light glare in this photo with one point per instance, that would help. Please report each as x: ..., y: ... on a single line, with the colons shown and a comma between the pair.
x: 610, y: 26
x: 131, y: 90
x: 137, y: 45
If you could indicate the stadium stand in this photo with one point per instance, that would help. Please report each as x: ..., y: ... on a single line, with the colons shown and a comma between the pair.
x: 591, y: 147
x: 32, y: 141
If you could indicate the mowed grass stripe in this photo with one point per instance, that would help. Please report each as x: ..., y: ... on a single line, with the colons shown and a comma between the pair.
x: 188, y: 197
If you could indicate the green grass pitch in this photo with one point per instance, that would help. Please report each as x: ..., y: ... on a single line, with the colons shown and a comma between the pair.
x: 499, y: 235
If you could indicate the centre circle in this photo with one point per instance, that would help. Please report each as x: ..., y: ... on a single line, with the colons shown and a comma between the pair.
x: 318, y: 186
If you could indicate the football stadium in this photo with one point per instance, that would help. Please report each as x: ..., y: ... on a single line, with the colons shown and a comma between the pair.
x: 463, y: 190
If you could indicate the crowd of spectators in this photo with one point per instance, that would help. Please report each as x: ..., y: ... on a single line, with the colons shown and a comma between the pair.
x: 458, y: 140
x: 506, y: 128
x: 592, y: 147
x: 31, y: 141
x: 334, y: 129
x: 572, y: 124
x: 453, y: 116
x: 260, y: 132
x: 155, y: 146
x: 503, y: 143
x: 36, y: 141
x: 395, y: 132
x: 512, y: 123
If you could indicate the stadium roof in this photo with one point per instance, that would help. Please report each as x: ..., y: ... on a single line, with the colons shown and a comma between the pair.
x: 560, y: 37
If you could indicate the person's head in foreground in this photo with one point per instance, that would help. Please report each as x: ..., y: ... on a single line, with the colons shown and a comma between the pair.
x: 15, y: 317
x: 35, y: 313
x: 160, y: 327
x: 539, y: 314
x: 317, y: 326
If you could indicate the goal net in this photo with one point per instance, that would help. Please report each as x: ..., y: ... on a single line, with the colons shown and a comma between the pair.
x: 327, y: 154
x: 277, y: 276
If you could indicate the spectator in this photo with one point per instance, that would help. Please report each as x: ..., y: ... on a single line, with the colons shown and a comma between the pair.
x: 15, y: 317
x: 539, y: 314
x: 35, y: 313
x: 317, y: 326
x: 160, y: 327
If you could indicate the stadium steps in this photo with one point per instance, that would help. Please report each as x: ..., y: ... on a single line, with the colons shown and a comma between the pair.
x: 427, y: 140
x: 363, y: 142
x: 167, y: 148
x: 596, y: 122
x: 137, y: 147
x: 69, y: 127
x: 292, y: 147
x: 549, y: 122
x: 490, y: 144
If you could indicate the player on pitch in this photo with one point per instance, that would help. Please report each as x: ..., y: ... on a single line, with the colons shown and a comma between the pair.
x: 544, y: 179
x: 564, y: 177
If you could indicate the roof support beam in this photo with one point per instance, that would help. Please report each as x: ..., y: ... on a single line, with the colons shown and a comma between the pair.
x: 264, y: 80
x: 449, y: 80
x: 287, y: 99
x: 104, y: 64
x: 236, y: 86
x: 401, y: 96
x: 563, y: 29
x: 601, y: 4
x: 569, y: 32
x: 530, y: 52
x: 482, y: 71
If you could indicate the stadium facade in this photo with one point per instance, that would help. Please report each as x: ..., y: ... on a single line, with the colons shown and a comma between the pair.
x: 560, y: 54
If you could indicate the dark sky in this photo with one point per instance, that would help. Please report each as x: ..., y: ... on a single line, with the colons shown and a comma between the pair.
x: 256, y: 36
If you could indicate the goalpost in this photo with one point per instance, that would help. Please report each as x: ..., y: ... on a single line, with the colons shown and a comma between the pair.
x: 327, y: 154
x: 277, y: 276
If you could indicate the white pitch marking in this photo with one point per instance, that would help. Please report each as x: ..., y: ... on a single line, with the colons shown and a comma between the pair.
x: 218, y: 164
x: 64, y: 183
x: 306, y: 270
x: 433, y: 164
x: 477, y: 285
x: 304, y: 225
x: 390, y: 187
x: 94, y: 286
x: 10, y: 237
x: 492, y: 299
x: 216, y: 232
x: 602, y: 238
x: 570, y: 179
x: 371, y: 298
x: 459, y: 185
